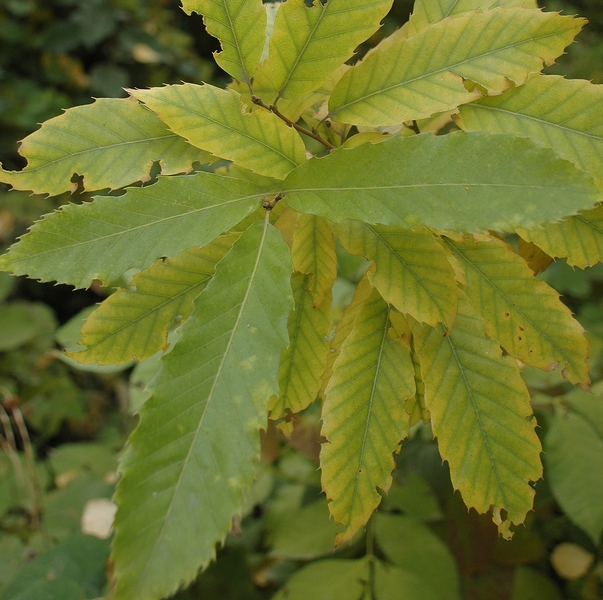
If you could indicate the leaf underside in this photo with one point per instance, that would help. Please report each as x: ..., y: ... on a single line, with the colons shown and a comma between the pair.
x: 110, y: 143
x: 480, y: 413
x: 185, y: 475
x: 363, y: 416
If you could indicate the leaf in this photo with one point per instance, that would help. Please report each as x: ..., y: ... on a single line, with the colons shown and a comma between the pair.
x: 411, y: 269
x: 415, y: 407
x: 428, y: 12
x: 523, y: 313
x: 450, y: 182
x: 190, y: 461
x: 417, y: 77
x: 111, y: 143
x: 409, y: 544
x: 133, y: 323
x: 574, y: 470
x: 481, y: 415
x: 344, y: 327
x: 304, y: 361
x: 332, y: 579
x: 240, y: 25
x: 309, y: 43
x: 395, y: 583
x: 213, y: 119
x: 313, y: 252
x: 363, y: 417
x: 103, y: 239
x: 557, y: 113
x: 579, y: 238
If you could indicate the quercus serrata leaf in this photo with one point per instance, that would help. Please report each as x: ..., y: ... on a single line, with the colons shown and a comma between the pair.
x: 416, y: 77
x: 304, y: 361
x: 183, y: 464
x: 411, y: 269
x: 110, y: 143
x: 480, y: 410
x: 523, y: 313
x: 240, y: 25
x: 445, y: 182
x: 363, y: 416
x: 214, y: 120
x: 133, y: 323
x: 103, y: 239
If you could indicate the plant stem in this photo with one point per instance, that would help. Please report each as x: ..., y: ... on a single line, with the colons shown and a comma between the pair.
x: 370, y: 557
x: 270, y: 204
x: 273, y: 109
x: 414, y: 127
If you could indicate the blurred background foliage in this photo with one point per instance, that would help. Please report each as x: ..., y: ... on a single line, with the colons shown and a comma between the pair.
x: 62, y: 425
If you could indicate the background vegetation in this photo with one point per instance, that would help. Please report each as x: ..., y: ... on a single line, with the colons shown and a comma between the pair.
x: 63, y: 424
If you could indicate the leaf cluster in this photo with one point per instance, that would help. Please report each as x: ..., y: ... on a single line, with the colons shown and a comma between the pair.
x: 242, y: 259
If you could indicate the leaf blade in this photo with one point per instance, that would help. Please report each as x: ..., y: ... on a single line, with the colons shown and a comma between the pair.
x: 240, y: 25
x: 229, y: 333
x: 363, y: 417
x: 479, y: 409
x: 111, y: 143
x: 416, y: 77
x: 326, y: 34
x: 212, y: 119
x: 103, y: 239
x: 446, y: 182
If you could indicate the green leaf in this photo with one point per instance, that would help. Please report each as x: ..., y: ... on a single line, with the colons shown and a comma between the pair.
x: 412, y: 271
x: 213, y: 119
x: 190, y: 461
x: 411, y: 545
x: 428, y: 12
x: 445, y: 182
x: 111, y: 143
x: 133, y: 323
x: 579, y: 238
x: 22, y: 322
x: 304, y: 361
x: 240, y: 25
x: 523, y: 313
x: 363, y: 417
x: 529, y: 584
x: 417, y: 77
x: 395, y: 583
x: 105, y: 238
x: 555, y: 112
x: 333, y: 579
x: 480, y: 413
x: 309, y: 43
x: 574, y: 470
x: 313, y: 253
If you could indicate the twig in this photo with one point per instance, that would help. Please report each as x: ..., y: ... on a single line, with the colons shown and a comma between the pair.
x: 272, y: 108
x: 414, y: 127
x: 270, y: 204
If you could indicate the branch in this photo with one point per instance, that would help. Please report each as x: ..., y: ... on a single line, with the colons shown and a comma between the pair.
x: 272, y: 108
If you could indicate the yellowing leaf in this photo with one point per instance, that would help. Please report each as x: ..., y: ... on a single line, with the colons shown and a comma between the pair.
x: 523, y: 313
x: 184, y: 465
x: 363, y: 416
x: 213, y: 119
x: 579, y: 238
x: 313, y: 252
x: 428, y: 12
x: 416, y: 77
x: 111, y: 143
x: 105, y: 238
x: 309, y: 43
x: 240, y: 25
x: 133, y: 323
x: 304, y: 361
x: 480, y: 413
x: 555, y: 112
x: 411, y: 269
x: 448, y: 182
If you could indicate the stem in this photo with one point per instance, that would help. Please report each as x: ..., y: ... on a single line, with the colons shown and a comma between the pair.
x: 414, y: 127
x: 370, y: 557
x: 268, y: 205
x: 272, y: 108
